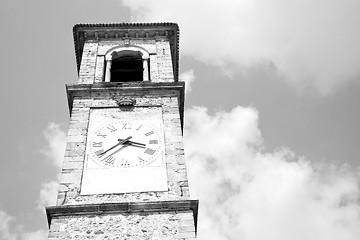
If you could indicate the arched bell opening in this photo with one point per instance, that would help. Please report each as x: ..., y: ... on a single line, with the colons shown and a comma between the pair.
x: 127, y: 64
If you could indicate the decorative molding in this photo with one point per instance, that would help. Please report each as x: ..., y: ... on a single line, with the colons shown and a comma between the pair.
x: 173, y: 89
x: 125, y: 101
x: 124, y: 207
x: 114, y: 51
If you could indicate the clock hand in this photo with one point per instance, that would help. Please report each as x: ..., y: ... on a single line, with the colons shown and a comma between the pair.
x: 128, y: 143
x: 121, y: 141
x: 122, y: 147
x: 133, y: 143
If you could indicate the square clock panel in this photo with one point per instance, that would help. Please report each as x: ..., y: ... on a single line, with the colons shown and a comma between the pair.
x: 124, y: 151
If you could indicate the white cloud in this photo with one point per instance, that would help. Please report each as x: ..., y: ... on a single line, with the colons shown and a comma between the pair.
x: 56, y: 142
x: 10, y: 229
x: 37, y: 235
x: 6, y: 229
x: 313, y: 43
x: 188, y: 77
x: 246, y: 193
x: 48, y: 194
x: 54, y: 152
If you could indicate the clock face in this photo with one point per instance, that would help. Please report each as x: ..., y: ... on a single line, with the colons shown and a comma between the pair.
x: 125, y: 144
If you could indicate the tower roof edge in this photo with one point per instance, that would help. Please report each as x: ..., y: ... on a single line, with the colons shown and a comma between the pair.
x: 84, y: 31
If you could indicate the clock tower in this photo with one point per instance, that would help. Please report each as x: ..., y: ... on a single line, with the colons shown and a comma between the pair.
x: 124, y: 173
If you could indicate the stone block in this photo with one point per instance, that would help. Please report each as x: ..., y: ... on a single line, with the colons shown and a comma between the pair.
x: 73, y: 165
x: 99, y: 70
x: 70, y: 176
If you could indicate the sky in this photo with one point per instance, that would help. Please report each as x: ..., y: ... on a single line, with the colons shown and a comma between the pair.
x: 271, y: 115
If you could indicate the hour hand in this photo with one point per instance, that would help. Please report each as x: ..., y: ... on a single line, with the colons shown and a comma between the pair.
x: 135, y: 144
x: 132, y: 143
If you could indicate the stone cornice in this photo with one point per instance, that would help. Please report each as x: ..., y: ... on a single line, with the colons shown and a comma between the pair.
x: 170, y: 31
x: 89, y: 90
x: 126, y: 207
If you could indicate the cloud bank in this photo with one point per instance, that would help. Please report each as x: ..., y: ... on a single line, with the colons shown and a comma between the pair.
x: 248, y: 194
x: 48, y: 194
x: 11, y: 230
x: 188, y: 77
x: 312, y: 43
x: 53, y: 151
x: 56, y: 141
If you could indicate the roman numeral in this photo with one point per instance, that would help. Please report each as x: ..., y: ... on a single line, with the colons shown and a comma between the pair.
x: 111, y: 128
x: 109, y: 160
x: 126, y: 126
x: 150, y: 151
x: 141, y: 160
x: 149, y: 133
x: 125, y: 163
x: 97, y: 144
x: 153, y: 142
x: 101, y: 135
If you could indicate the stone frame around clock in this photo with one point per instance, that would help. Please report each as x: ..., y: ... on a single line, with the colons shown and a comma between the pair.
x: 82, y: 98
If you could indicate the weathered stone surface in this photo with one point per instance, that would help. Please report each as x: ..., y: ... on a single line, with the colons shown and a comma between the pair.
x: 92, y: 68
x: 168, y: 102
x: 88, y: 62
x: 99, y: 69
x: 141, y: 226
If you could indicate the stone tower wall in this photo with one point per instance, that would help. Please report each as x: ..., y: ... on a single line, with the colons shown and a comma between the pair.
x: 162, y: 214
x: 156, y: 225
x: 178, y: 189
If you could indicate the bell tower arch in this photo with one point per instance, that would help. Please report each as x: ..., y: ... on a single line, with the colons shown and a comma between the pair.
x: 127, y: 63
